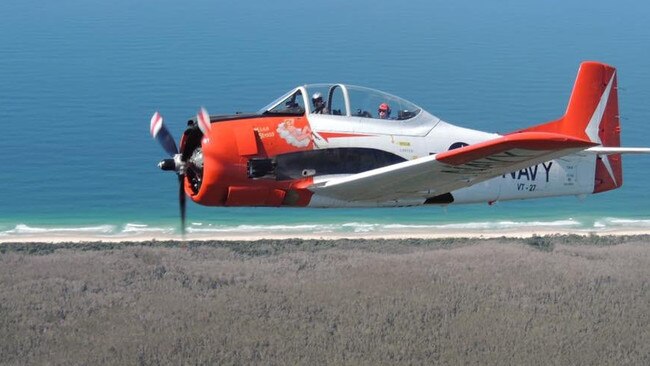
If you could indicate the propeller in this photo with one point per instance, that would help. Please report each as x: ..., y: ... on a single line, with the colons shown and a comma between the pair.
x: 176, y: 163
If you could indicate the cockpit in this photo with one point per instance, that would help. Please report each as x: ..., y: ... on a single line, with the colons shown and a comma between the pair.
x: 342, y: 100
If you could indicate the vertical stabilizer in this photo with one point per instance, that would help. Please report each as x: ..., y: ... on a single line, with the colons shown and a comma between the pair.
x: 593, y: 113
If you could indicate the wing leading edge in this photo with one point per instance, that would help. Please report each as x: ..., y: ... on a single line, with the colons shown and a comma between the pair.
x: 450, y: 170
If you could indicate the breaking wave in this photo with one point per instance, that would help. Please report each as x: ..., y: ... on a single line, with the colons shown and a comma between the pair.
x: 142, y: 228
x: 22, y: 229
x: 617, y: 223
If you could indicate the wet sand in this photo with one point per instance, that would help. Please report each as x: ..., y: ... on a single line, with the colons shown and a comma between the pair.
x: 538, y: 300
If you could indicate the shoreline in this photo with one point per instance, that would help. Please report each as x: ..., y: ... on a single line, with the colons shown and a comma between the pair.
x: 53, y: 237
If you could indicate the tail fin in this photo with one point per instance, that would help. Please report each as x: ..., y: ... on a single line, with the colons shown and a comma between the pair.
x: 592, y: 114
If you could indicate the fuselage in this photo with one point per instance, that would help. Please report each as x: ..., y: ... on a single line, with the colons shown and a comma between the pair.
x: 271, y: 160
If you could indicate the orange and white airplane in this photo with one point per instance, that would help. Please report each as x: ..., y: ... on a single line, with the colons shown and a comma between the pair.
x: 336, y: 145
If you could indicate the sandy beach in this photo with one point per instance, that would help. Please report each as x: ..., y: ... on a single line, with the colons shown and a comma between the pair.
x: 561, y: 299
x: 63, y: 237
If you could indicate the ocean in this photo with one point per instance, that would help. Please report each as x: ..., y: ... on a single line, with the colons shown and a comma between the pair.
x: 80, y: 79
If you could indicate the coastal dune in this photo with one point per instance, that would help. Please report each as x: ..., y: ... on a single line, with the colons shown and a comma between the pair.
x: 539, y: 300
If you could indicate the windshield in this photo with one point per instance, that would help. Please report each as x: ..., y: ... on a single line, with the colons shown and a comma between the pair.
x: 291, y: 103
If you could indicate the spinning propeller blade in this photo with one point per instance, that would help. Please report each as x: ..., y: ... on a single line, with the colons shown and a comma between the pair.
x: 181, y: 202
x: 203, y: 119
x: 162, y: 135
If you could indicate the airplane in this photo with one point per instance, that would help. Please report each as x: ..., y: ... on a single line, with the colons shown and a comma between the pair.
x: 338, y: 145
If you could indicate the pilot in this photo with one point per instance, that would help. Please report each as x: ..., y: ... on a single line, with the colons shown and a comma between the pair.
x: 384, y: 111
x: 319, y: 104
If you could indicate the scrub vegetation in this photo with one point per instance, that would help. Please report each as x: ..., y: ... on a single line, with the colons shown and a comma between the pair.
x: 538, y: 301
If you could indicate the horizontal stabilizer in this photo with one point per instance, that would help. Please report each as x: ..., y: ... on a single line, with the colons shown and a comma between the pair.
x: 603, y: 150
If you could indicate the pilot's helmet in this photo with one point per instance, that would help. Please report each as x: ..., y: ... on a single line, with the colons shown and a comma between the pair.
x: 384, y: 108
x: 317, y: 98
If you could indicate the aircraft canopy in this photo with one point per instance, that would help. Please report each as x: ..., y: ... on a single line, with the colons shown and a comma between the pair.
x: 342, y: 100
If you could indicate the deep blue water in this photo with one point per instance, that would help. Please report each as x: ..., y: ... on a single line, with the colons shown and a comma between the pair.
x: 79, y: 80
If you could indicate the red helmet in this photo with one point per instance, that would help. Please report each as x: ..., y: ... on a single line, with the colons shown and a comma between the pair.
x: 384, y: 107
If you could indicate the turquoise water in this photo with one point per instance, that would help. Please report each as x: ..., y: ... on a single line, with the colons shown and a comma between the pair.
x: 79, y: 80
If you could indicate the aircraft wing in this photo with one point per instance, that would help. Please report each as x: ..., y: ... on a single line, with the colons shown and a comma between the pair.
x: 450, y: 170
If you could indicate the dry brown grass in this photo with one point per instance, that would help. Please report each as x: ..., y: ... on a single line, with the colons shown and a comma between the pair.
x: 311, y: 302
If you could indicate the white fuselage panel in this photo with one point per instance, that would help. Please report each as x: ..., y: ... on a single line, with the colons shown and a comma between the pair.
x: 426, y: 135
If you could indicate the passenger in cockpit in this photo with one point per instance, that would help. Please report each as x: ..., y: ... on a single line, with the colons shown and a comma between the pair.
x: 384, y: 111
